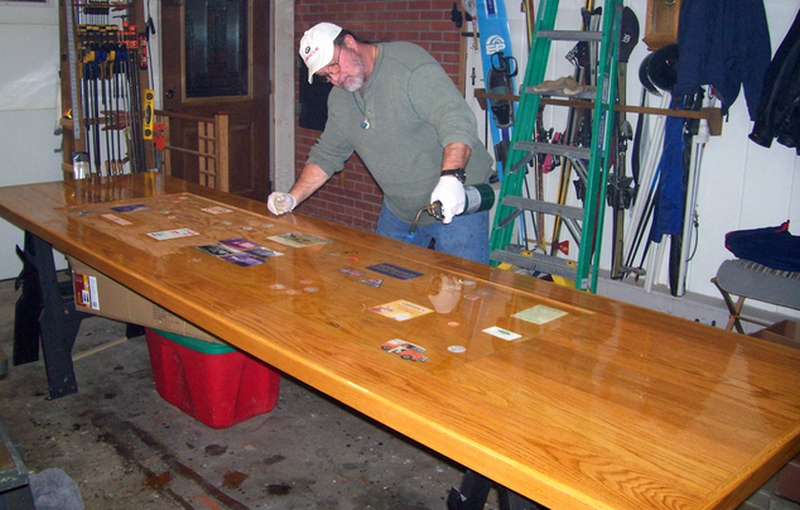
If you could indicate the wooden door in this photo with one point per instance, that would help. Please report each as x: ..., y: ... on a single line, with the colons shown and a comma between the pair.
x: 216, y: 59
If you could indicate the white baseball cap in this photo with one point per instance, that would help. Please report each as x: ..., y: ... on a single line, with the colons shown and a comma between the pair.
x: 316, y: 47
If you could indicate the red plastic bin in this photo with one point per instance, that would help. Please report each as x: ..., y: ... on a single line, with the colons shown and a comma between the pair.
x: 212, y: 382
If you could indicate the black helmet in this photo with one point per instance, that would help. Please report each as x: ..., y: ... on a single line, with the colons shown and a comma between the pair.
x: 662, y: 69
x: 644, y: 79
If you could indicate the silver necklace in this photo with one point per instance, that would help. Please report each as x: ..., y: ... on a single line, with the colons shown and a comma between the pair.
x: 365, y: 124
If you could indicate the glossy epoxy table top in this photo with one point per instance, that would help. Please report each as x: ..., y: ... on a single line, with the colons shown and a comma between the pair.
x: 597, y: 404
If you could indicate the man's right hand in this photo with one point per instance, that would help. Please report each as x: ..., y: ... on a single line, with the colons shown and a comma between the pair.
x: 280, y: 203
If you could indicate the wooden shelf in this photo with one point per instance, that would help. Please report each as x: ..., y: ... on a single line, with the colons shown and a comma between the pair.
x: 712, y: 115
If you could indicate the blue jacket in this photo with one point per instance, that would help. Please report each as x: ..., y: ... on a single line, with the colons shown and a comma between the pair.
x: 779, y: 110
x: 724, y: 43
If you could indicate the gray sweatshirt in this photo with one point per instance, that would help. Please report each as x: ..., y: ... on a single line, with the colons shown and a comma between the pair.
x: 412, y: 109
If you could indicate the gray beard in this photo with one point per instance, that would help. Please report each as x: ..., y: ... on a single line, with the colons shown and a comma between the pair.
x: 354, y: 84
x: 357, y: 79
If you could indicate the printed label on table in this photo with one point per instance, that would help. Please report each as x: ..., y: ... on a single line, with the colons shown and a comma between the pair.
x: 502, y: 333
x: 263, y: 253
x: 130, y: 208
x: 351, y: 272
x: 299, y: 239
x: 217, y: 250
x: 539, y: 314
x: 398, y: 272
x: 172, y: 234
x: 400, y: 310
x: 243, y: 259
x: 116, y: 219
x: 216, y: 210
x: 240, y: 243
x: 372, y: 282
x: 406, y: 350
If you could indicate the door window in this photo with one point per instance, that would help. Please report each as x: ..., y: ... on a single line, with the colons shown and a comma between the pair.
x: 216, y: 43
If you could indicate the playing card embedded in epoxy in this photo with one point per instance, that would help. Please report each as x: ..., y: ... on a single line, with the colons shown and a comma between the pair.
x: 217, y: 250
x: 176, y: 233
x: 130, y: 208
x: 216, y: 210
x: 351, y: 272
x: 263, y: 253
x: 240, y: 251
x: 398, y: 272
x: 243, y: 259
x: 240, y: 243
x: 400, y: 310
x: 539, y: 314
x: 502, y: 333
x: 116, y: 219
x: 406, y: 350
x: 299, y: 239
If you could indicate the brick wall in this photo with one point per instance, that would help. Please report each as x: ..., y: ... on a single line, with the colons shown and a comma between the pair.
x: 352, y: 197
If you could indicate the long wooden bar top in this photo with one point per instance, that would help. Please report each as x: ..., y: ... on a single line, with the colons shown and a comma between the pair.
x: 570, y: 399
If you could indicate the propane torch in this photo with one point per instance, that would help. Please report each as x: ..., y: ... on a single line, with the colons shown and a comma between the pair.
x: 479, y: 197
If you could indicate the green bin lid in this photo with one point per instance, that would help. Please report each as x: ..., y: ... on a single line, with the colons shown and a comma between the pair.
x: 195, y: 344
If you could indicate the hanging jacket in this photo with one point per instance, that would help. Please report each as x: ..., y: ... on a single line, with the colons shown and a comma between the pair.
x: 779, y: 110
x: 725, y: 44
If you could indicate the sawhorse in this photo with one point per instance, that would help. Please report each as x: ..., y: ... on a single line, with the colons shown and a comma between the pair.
x: 46, y: 308
x: 475, y: 490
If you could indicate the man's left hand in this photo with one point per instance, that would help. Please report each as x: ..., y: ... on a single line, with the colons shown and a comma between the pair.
x: 450, y: 192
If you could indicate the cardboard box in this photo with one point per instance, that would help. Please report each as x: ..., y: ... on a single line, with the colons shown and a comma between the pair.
x: 785, y: 332
x: 98, y: 294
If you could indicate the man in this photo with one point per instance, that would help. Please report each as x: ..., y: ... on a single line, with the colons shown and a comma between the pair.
x: 394, y: 105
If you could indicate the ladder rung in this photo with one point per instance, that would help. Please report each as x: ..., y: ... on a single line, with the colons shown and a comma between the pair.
x: 568, y: 151
x: 565, y: 211
x: 537, y: 262
x: 571, y: 35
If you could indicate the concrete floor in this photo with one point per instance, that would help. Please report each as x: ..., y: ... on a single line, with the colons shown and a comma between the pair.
x: 127, y: 448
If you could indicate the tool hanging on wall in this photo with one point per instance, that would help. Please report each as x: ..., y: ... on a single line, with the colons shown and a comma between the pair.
x: 108, y: 97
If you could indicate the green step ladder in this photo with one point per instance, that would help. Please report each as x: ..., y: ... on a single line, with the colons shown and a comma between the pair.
x: 584, y: 223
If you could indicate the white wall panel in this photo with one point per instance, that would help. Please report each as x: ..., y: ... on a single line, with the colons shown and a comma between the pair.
x: 28, y: 112
x: 29, y: 60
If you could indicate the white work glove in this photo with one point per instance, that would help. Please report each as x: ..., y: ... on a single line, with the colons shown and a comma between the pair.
x: 280, y: 203
x: 450, y: 192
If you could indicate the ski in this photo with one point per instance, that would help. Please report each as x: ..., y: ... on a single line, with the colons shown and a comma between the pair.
x: 620, y: 191
x: 499, y: 70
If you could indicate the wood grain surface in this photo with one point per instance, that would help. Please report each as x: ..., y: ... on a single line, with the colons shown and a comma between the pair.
x: 597, y: 404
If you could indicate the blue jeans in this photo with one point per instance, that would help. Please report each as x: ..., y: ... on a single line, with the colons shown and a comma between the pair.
x: 466, y: 236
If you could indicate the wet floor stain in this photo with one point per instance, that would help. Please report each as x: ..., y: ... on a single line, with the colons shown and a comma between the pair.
x: 274, y: 459
x: 216, y: 450
x: 158, y: 481
x: 278, y: 489
x: 234, y: 479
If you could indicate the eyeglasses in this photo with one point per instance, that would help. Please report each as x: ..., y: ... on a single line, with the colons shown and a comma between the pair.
x: 332, y: 68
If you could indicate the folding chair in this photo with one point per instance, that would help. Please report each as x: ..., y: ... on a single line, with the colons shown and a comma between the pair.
x: 751, y: 280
